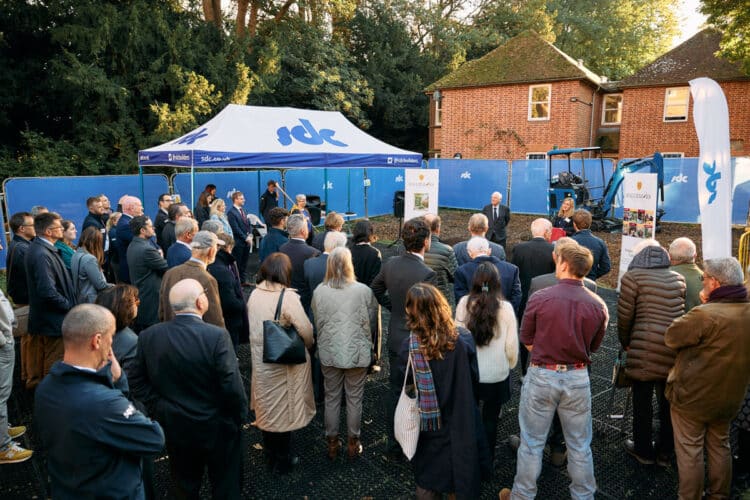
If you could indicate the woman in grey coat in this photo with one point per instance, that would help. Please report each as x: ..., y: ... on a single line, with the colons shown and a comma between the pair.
x: 86, y: 266
x: 346, y: 313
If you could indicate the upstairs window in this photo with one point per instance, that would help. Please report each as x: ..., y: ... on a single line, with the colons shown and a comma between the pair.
x: 539, y: 102
x: 612, y: 109
x: 438, y: 112
x: 672, y: 155
x: 676, y: 102
x: 536, y: 156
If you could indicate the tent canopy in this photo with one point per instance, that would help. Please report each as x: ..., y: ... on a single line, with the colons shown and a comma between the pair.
x: 258, y: 136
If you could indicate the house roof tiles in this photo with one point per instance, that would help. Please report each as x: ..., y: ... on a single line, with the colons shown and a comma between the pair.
x: 691, y: 59
x: 525, y: 58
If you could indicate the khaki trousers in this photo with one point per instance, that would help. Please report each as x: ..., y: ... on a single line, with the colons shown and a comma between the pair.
x: 690, y: 437
x: 353, y: 381
x: 38, y: 354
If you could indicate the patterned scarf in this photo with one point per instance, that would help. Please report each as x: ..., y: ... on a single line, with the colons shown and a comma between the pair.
x: 429, y: 408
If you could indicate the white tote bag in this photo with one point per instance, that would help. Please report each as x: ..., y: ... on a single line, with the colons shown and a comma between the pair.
x: 406, y: 418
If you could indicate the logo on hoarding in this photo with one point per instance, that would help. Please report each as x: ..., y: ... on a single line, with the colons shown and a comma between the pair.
x: 466, y: 175
x: 399, y: 178
x: 178, y: 157
x: 191, y: 138
x: 713, y: 178
x: 680, y: 178
x: 329, y: 185
x: 306, y: 134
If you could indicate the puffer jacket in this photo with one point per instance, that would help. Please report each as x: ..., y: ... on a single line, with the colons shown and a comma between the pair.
x: 345, y: 319
x: 441, y: 259
x: 651, y: 297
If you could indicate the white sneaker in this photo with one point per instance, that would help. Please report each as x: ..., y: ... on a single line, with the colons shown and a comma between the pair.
x: 13, y: 454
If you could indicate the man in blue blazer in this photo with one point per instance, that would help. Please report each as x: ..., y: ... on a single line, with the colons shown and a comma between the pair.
x: 479, y: 250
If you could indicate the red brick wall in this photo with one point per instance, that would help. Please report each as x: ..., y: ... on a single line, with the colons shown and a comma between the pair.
x: 644, y: 131
x: 492, y: 122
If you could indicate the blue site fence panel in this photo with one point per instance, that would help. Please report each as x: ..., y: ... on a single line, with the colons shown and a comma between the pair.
x: 67, y: 195
x: 252, y: 183
x: 470, y: 183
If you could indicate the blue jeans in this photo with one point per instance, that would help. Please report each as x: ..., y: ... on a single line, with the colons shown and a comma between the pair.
x: 544, y: 392
x: 7, y: 360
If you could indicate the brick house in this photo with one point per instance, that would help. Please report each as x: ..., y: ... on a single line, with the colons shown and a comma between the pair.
x: 526, y: 97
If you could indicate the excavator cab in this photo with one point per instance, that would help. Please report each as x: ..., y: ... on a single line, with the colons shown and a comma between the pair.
x: 572, y: 182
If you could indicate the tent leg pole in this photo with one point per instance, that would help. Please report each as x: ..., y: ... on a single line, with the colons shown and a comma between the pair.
x: 366, y: 184
x: 192, y: 186
x: 140, y: 178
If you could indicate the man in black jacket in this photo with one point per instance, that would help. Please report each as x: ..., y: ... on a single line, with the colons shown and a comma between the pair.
x: 96, y: 218
x: 298, y: 252
x: 165, y: 201
x: 187, y: 370
x: 390, y: 287
x: 51, y: 296
x: 268, y: 201
x: 22, y: 226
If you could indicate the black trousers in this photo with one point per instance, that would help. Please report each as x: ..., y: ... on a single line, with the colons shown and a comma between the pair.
x: 224, y: 463
x: 241, y: 253
x: 643, y: 415
x: 277, y: 446
x: 492, y: 397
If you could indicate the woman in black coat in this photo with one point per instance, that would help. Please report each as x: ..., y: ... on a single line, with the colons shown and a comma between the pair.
x: 233, y: 305
x: 365, y: 257
x: 447, y: 456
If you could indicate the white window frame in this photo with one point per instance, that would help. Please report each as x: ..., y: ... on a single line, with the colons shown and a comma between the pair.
x: 686, y: 104
x: 438, y: 112
x: 543, y: 156
x: 672, y: 155
x: 605, y: 109
x: 548, y: 102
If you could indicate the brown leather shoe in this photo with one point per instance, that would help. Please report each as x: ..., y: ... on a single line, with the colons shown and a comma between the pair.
x: 354, y: 447
x: 333, y: 447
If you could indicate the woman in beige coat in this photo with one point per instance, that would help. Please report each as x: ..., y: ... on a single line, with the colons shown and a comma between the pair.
x: 281, y: 395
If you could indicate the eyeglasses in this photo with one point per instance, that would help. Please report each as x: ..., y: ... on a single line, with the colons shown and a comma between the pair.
x: 52, y: 228
x: 705, y: 277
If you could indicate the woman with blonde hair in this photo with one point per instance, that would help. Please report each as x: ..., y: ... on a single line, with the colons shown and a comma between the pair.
x: 443, y: 360
x: 564, y: 217
x: 219, y: 213
x: 346, y: 314
x: 492, y: 323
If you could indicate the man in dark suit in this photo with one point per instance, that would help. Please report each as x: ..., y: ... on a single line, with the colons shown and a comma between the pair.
x: 298, y: 252
x: 176, y: 212
x: 478, y: 226
x: 533, y: 258
x: 242, y: 232
x: 97, y: 219
x: 146, y: 267
x: 180, y: 251
x: 131, y: 207
x: 51, y: 296
x: 162, y: 215
x: 187, y: 370
x: 498, y: 216
x: 479, y: 250
x: 390, y: 286
x: 22, y: 227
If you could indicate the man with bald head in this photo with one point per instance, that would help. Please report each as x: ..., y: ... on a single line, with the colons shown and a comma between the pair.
x: 498, y: 216
x: 131, y: 207
x: 94, y: 437
x: 187, y: 370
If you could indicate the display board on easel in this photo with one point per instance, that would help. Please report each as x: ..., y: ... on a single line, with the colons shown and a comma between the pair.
x: 420, y: 192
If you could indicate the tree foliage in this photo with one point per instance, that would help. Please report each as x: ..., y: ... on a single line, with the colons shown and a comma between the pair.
x: 733, y: 19
x: 87, y: 83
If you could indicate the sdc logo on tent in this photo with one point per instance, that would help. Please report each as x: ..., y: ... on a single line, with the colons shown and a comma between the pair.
x: 307, y: 134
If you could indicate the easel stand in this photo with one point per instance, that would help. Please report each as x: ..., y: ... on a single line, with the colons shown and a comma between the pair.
x: 400, y: 227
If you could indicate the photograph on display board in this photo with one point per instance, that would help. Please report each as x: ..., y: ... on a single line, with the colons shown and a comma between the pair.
x: 638, y: 223
x: 421, y: 201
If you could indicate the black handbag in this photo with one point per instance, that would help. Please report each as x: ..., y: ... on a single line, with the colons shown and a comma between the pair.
x: 282, y: 344
x: 619, y: 379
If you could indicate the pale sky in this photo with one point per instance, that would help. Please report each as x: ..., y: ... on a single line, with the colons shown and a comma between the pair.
x: 691, y: 20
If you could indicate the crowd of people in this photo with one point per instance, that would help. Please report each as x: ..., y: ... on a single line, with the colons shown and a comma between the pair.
x: 133, y: 330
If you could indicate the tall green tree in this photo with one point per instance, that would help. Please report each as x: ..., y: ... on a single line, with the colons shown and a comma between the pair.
x: 733, y: 19
x: 612, y: 37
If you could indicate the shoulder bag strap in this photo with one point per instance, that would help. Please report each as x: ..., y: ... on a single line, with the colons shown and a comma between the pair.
x: 278, y: 306
x: 406, y: 377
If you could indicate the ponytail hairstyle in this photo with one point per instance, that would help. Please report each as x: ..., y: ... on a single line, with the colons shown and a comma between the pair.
x: 483, y: 304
